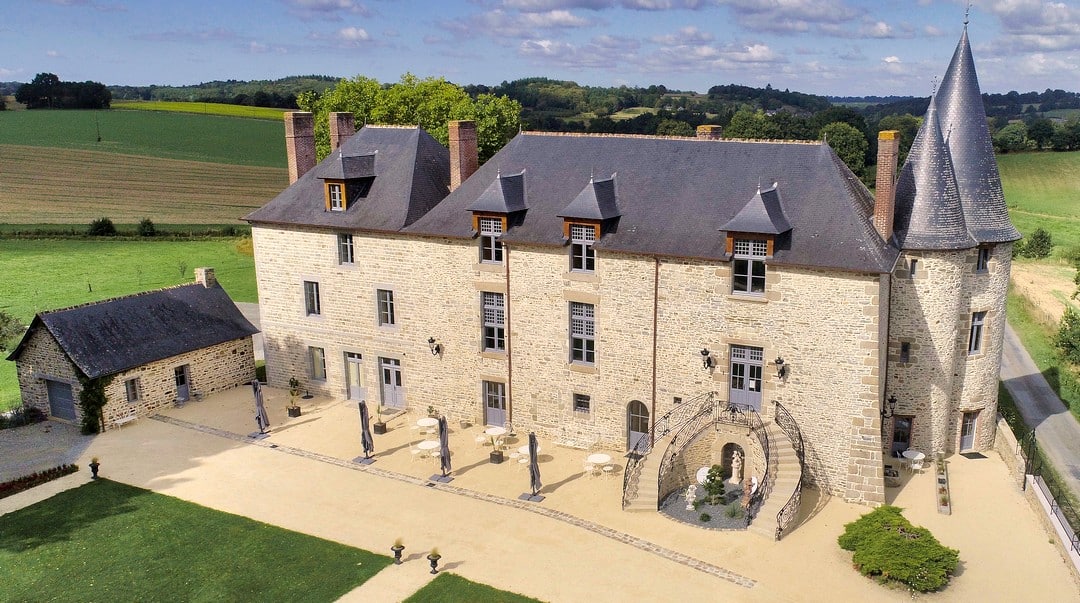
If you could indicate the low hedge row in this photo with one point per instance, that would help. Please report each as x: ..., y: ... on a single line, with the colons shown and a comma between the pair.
x: 35, y: 479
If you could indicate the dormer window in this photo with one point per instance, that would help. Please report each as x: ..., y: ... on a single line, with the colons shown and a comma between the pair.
x: 335, y: 195
x: 346, y: 178
x: 582, y: 254
x: 748, y: 270
x: 491, y: 250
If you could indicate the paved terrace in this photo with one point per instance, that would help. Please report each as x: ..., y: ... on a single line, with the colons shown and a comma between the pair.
x: 577, y: 544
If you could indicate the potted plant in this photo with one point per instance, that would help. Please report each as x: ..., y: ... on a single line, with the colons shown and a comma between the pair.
x: 496, y: 454
x: 379, y: 427
x: 434, y: 559
x: 397, y: 548
x: 294, y: 390
x: 431, y: 412
x: 94, y: 465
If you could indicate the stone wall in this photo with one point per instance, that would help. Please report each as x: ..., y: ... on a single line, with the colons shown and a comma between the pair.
x: 42, y: 359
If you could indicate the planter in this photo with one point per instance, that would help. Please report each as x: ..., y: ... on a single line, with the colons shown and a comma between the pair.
x: 94, y: 469
x: 944, y: 500
x: 397, y: 548
x: 379, y: 428
x: 434, y: 559
x: 496, y: 456
x: 294, y: 411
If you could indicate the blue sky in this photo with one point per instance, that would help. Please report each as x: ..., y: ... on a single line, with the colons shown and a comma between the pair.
x: 842, y: 47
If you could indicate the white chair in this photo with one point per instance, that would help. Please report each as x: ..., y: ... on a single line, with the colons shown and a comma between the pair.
x: 915, y: 465
x: 588, y: 468
x: 609, y: 470
x: 417, y: 454
x: 481, y: 441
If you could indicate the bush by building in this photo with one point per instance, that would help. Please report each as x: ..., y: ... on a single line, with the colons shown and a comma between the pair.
x: 890, y: 550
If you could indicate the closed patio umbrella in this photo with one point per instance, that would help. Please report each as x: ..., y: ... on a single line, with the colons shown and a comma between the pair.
x: 260, y: 409
x: 365, y: 431
x: 444, y: 447
x: 534, y: 469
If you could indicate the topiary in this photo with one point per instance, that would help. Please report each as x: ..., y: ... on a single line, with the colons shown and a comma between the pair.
x: 891, y: 550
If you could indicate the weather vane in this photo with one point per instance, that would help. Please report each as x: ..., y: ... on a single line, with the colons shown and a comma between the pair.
x: 967, y: 11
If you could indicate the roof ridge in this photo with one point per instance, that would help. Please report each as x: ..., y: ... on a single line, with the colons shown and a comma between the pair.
x: 668, y: 137
x: 112, y: 299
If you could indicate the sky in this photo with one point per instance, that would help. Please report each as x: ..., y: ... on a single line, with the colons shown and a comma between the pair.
x: 829, y: 47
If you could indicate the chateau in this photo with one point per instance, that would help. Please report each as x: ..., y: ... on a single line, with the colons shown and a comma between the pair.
x: 588, y: 287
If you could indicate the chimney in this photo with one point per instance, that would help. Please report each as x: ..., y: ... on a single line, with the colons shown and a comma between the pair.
x: 205, y: 277
x: 463, y: 152
x: 710, y: 132
x: 342, y: 126
x: 299, y: 143
x: 885, y: 187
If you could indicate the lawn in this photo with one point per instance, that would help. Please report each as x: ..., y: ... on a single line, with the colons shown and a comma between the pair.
x: 267, y: 113
x: 107, y: 541
x: 43, y: 274
x: 1043, y: 191
x: 449, y: 588
x: 194, y: 137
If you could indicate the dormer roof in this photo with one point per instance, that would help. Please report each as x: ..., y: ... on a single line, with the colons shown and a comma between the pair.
x: 762, y: 214
x: 597, y: 201
x: 505, y: 195
x: 340, y: 166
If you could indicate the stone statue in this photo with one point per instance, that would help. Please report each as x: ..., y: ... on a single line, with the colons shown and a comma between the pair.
x: 736, y: 467
x: 691, y: 496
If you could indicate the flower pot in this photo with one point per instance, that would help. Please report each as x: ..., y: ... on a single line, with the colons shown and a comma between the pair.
x: 94, y: 469
x: 434, y: 559
x: 496, y: 456
x: 379, y: 428
x: 397, y: 548
x: 294, y: 411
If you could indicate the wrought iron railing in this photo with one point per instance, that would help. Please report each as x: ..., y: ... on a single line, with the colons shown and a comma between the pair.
x: 1067, y: 516
x: 663, y: 425
x: 682, y: 438
x: 790, y: 512
x: 755, y: 426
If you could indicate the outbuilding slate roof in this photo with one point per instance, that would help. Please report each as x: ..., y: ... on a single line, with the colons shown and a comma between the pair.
x: 674, y: 194
x: 107, y: 337
x: 411, y: 174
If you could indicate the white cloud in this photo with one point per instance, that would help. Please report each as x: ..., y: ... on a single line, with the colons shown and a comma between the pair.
x: 686, y: 35
x: 514, y: 25
x: 891, y: 59
x: 52, y: 53
x: 933, y: 32
x: 327, y: 10
x: 824, y: 16
x: 9, y: 72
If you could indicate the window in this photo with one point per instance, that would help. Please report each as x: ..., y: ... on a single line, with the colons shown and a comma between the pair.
x: 975, y: 338
x: 581, y: 403
x: 911, y: 268
x: 905, y: 351
x: 386, y: 307
x: 337, y: 196
x: 749, y: 270
x: 582, y: 333
x: 345, y: 250
x: 311, y: 298
x: 494, y: 322
x: 983, y: 262
x: 491, y: 250
x: 131, y: 386
x: 582, y: 255
x: 317, y: 358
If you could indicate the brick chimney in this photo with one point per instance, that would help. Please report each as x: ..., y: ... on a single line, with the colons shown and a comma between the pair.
x: 464, y: 157
x: 342, y: 126
x: 299, y: 143
x: 710, y: 132
x: 885, y: 188
x: 205, y: 277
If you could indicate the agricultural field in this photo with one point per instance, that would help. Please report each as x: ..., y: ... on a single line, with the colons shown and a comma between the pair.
x: 159, y: 134
x: 267, y: 113
x: 69, y: 186
x: 1043, y: 191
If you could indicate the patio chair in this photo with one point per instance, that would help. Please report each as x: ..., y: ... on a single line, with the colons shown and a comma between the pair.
x: 589, y: 469
x: 481, y: 441
x: 609, y: 470
x: 416, y: 452
x: 915, y: 466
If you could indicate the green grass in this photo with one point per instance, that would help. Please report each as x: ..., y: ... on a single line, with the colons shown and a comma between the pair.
x: 107, y: 541
x: 1037, y: 338
x: 1041, y: 190
x: 449, y: 588
x: 202, y: 109
x: 44, y: 274
x: 209, y: 138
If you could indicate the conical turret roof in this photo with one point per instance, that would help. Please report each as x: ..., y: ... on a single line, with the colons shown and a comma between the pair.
x: 963, y: 123
x: 929, y: 213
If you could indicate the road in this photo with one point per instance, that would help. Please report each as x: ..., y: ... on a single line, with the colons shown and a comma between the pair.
x: 1056, y: 430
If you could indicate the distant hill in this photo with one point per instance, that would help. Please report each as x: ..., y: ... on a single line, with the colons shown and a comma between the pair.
x: 279, y: 93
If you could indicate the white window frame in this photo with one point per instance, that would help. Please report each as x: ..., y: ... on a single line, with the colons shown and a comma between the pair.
x: 493, y: 316
x: 317, y: 363
x: 582, y: 333
x: 312, y: 301
x: 491, y: 250
x: 748, y: 255
x: 336, y: 191
x: 977, y: 333
x: 384, y: 300
x: 131, y: 389
x: 346, y: 249
x: 582, y: 253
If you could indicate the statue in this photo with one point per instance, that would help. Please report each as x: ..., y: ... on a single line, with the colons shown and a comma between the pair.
x: 736, y: 467
x: 691, y: 496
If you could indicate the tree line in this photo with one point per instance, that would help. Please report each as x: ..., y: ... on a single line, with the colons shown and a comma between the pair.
x: 46, y: 91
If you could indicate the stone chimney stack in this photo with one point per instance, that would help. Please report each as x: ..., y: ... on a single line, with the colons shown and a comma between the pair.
x: 299, y: 143
x: 205, y: 277
x: 342, y: 126
x: 710, y: 132
x: 464, y: 154
x: 885, y: 188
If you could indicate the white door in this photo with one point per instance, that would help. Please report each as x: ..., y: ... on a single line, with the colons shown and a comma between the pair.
x: 393, y: 395
x: 494, y: 403
x: 352, y: 375
x: 637, y: 418
x: 746, y: 366
x: 967, y: 431
x: 183, y: 391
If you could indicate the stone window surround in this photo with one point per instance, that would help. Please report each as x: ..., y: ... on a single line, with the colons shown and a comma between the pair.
x: 346, y: 249
x: 385, y: 320
x: 982, y: 259
x: 582, y: 327
x: 312, y: 300
x: 747, y: 248
x: 316, y: 363
x: 581, y: 404
x: 489, y: 228
x: 131, y: 389
x: 977, y: 331
x: 493, y: 322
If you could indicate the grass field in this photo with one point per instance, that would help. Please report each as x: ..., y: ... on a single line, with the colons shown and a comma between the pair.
x: 202, y: 109
x: 212, y: 138
x: 107, y: 541
x: 67, y: 186
x: 42, y: 274
x: 450, y: 588
x: 1043, y: 190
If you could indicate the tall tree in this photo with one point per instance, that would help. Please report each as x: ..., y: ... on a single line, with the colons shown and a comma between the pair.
x: 11, y: 330
x: 848, y: 142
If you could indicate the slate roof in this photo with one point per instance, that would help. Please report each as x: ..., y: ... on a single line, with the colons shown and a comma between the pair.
x: 963, y: 124
x: 341, y: 166
x: 506, y: 195
x: 674, y: 194
x: 597, y: 201
x: 764, y: 214
x: 107, y: 337
x: 929, y: 214
x: 411, y: 174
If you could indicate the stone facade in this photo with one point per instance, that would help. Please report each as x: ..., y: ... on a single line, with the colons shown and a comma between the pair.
x: 43, y: 359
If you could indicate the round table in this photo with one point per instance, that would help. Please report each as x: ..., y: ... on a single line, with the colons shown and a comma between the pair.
x: 525, y: 449
x: 428, y: 445
x: 427, y: 422
x: 702, y: 475
x: 598, y: 458
x: 495, y: 432
x: 913, y: 455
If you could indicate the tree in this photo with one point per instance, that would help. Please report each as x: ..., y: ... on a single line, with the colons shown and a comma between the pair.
x: 747, y: 123
x: 1041, y: 131
x: 908, y: 125
x: 1068, y: 335
x: 1038, y: 246
x: 101, y: 227
x: 674, y: 127
x: 11, y: 331
x: 848, y: 142
x: 1011, y: 138
x: 42, y: 91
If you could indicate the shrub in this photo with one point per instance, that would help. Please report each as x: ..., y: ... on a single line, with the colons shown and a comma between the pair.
x: 734, y: 510
x: 102, y: 227
x: 714, y: 484
x: 1039, y: 245
x: 889, y: 549
x: 705, y: 518
x: 1068, y: 336
x: 35, y: 479
x: 146, y: 228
